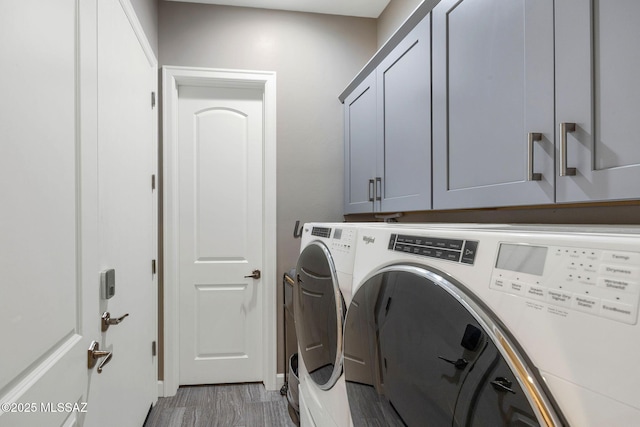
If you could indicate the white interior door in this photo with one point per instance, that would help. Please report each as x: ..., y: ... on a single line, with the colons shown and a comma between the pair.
x: 49, y: 302
x: 127, y: 76
x: 220, y: 153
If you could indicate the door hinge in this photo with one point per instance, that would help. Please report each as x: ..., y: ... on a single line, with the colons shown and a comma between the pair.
x: 154, y: 350
x: 153, y: 99
x: 153, y: 182
x: 153, y: 266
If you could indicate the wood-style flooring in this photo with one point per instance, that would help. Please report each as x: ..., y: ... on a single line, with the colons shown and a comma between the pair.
x: 232, y: 405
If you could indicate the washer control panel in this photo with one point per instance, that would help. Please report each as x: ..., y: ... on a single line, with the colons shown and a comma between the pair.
x: 343, y: 240
x: 600, y: 282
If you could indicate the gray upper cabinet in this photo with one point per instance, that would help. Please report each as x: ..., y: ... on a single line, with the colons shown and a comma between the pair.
x: 359, y: 145
x: 598, y: 95
x: 493, y: 103
x: 388, y: 131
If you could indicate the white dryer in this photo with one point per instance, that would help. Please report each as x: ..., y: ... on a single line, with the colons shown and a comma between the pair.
x: 321, y: 294
x: 494, y: 325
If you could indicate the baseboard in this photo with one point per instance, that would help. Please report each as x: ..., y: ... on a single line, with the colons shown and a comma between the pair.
x: 279, y: 381
x: 160, y: 388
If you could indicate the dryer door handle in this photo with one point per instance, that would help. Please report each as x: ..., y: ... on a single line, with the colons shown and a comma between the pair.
x: 459, y: 364
x: 502, y: 384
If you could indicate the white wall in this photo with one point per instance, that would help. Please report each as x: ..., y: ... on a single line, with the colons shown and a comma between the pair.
x: 315, y: 57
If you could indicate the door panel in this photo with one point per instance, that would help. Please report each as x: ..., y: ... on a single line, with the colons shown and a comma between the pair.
x: 597, y: 65
x: 492, y: 86
x: 360, y: 147
x: 126, y: 162
x: 221, y: 198
x: 404, y: 99
x: 319, y: 319
x: 429, y: 357
x: 46, y: 222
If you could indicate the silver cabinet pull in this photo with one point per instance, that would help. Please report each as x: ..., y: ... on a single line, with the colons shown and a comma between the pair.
x: 371, y: 190
x: 94, y: 353
x: 564, y: 129
x: 531, y: 176
x: 378, y: 185
x: 107, y: 320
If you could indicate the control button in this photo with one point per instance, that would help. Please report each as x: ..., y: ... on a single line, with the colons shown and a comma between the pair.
x: 448, y: 255
x: 610, y: 257
x: 499, y: 283
x: 469, y: 252
x: 618, y: 311
x: 621, y: 271
x: 558, y: 297
x: 516, y: 287
x: 616, y: 284
x: 392, y: 242
x: 587, y: 304
x: 536, y: 292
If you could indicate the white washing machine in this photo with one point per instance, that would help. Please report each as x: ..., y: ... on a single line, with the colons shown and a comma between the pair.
x: 322, y: 292
x: 494, y: 325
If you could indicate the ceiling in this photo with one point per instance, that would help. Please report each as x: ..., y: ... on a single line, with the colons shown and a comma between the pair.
x: 361, y: 8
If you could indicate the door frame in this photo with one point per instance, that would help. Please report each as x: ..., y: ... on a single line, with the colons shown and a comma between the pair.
x: 172, y: 77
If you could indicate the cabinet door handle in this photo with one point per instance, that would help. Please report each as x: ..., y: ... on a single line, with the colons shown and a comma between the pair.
x: 531, y: 176
x: 564, y: 129
x: 371, y: 190
x: 378, y: 185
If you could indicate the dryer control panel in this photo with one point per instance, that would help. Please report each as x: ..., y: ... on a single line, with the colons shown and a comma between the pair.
x: 600, y: 282
x: 457, y: 250
x: 340, y: 239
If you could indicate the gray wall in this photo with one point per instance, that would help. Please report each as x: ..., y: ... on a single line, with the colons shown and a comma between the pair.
x: 315, y: 57
x: 394, y: 15
x: 147, y: 12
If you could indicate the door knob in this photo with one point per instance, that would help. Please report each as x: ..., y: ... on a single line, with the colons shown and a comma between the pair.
x: 255, y: 274
x: 108, y: 321
x: 94, y: 353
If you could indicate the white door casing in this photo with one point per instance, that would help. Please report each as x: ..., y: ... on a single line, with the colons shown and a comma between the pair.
x: 127, y: 76
x: 48, y: 222
x: 237, y: 235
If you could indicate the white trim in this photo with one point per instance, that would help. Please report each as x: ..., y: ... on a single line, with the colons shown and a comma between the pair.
x: 139, y: 32
x: 172, y: 77
x: 279, y: 381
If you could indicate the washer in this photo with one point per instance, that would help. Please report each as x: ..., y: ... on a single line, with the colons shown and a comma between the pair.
x: 321, y: 295
x: 494, y: 325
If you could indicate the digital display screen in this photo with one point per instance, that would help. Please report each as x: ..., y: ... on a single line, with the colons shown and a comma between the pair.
x: 522, y: 258
x: 337, y: 234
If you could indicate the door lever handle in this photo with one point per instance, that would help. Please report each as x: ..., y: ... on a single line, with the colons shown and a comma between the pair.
x: 107, y: 321
x: 459, y: 364
x: 94, y: 353
x: 255, y: 274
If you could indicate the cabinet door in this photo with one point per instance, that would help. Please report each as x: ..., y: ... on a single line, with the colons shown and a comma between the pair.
x: 359, y: 147
x: 404, y: 108
x: 597, y: 69
x: 492, y: 86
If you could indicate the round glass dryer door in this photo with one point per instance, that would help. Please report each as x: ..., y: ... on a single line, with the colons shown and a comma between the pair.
x: 319, y: 314
x: 419, y: 351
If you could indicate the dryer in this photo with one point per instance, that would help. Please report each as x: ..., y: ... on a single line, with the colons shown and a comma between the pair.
x: 322, y: 292
x: 494, y: 325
